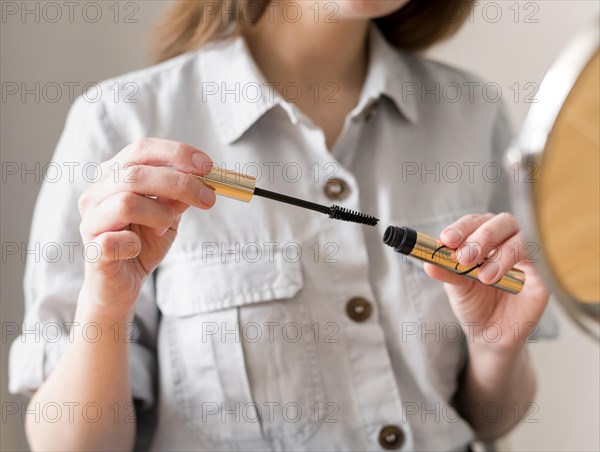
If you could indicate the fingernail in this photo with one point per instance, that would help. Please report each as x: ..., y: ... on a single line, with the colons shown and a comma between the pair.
x: 489, y: 271
x: 470, y: 253
x: 202, y: 162
x: 452, y: 236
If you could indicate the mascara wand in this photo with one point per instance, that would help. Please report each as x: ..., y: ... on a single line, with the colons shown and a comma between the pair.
x: 335, y: 212
x: 241, y: 187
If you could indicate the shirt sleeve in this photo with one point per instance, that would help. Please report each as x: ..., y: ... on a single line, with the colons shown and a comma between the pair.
x: 54, y: 266
x: 502, y: 137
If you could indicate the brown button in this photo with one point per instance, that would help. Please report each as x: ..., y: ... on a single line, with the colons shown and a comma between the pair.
x: 336, y: 189
x: 358, y: 309
x: 391, y: 437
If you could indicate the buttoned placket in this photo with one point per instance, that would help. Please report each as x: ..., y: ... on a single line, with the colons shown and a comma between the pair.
x: 380, y: 409
x: 368, y: 357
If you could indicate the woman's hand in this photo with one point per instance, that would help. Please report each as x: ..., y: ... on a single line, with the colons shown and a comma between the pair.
x: 131, y: 215
x: 492, y: 318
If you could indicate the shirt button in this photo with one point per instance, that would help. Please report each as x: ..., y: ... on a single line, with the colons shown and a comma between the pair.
x: 358, y: 309
x: 391, y: 437
x: 337, y: 189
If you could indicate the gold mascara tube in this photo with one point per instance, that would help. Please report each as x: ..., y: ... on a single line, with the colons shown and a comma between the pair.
x: 230, y: 184
x: 409, y: 242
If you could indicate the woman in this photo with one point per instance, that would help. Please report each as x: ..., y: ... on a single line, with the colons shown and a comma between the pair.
x: 195, y: 323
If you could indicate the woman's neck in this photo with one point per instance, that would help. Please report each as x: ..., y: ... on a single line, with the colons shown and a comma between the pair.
x: 327, y: 60
x: 308, y: 50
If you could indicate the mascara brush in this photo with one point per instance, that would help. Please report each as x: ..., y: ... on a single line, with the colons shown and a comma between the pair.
x: 243, y: 188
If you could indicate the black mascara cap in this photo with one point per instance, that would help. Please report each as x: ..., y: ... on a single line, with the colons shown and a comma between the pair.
x: 402, y: 239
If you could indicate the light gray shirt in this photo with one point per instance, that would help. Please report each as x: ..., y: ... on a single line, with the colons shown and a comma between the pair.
x: 268, y: 326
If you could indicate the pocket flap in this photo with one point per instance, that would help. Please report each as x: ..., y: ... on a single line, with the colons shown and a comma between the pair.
x: 188, y: 287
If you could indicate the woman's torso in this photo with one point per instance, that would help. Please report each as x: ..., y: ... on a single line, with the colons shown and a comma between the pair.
x: 283, y: 329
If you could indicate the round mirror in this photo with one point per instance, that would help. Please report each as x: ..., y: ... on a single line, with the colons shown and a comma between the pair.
x: 557, y: 194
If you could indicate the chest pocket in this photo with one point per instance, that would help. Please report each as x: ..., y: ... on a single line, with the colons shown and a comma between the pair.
x: 243, y: 362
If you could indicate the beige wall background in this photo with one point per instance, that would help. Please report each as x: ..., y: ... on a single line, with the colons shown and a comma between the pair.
x: 508, y: 42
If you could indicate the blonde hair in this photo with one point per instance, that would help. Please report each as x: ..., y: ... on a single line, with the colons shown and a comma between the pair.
x: 189, y: 24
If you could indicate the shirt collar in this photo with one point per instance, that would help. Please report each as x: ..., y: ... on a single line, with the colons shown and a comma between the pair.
x: 238, y: 94
x: 388, y: 74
